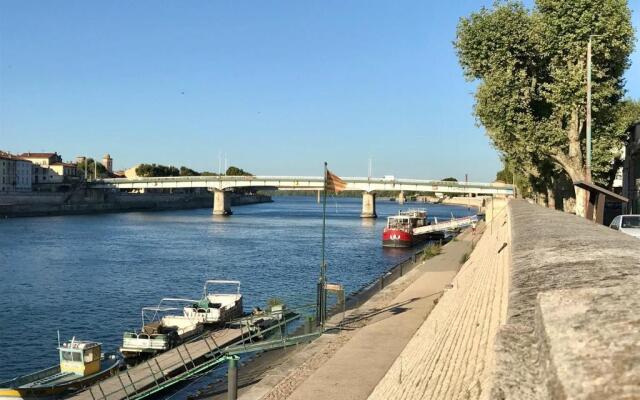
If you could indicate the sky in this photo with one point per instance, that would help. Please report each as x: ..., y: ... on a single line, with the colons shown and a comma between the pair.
x: 277, y: 86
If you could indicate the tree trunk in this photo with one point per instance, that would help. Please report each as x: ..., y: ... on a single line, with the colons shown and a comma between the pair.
x: 576, y: 172
x: 581, y: 201
x: 551, y: 197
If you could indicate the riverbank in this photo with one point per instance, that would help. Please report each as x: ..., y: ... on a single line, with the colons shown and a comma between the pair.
x: 397, y: 310
x: 545, y: 308
x: 92, y: 201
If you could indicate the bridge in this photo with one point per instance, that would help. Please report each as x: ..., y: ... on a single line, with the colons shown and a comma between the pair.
x: 221, y: 185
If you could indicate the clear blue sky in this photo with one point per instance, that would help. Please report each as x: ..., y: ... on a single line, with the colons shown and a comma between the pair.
x: 280, y: 86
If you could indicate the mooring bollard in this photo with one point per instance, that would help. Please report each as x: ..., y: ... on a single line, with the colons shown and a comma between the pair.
x: 232, y: 378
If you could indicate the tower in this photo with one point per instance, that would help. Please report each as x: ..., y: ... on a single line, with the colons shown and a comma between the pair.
x: 107, y: 161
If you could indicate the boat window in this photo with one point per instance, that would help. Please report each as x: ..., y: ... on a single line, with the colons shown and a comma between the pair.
x: 76, y: 356
x: 88, y: 356
x: 67, y: 356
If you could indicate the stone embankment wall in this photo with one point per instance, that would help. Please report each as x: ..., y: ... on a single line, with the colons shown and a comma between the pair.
x: 89, y: 201
x: 449, y: 355
x: 476, y: 202
x: 545, y: 308
x: 573, y: 321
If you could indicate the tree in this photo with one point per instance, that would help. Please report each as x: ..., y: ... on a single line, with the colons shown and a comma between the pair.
x: 184, y: 171
x: 531, y: 68
x: 235, y: 171
x: 91, y: 165
x: 450, y: 179
x: 155, y: 170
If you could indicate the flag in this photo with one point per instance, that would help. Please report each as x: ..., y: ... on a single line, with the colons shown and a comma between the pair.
x: 334, y: 183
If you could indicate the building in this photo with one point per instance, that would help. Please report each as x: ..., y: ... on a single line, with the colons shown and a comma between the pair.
x: 15, y: 173
x: 42, y: 159
x: 7, y: 173
x: 131, y: 172
x: 62, y: 172
x: 631, y: 170
x: 24, y: 175
x: 107, y: 161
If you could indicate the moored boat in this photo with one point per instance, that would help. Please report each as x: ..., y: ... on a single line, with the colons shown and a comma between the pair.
x: 162, y: 331
x: 400, y: 230
x: 81, y: 365
x: 217, y: 308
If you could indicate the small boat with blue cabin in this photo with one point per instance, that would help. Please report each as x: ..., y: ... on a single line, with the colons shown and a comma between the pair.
x: 81, y: 364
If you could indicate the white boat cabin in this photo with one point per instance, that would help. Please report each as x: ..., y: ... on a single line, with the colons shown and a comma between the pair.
x: 216, y: 308
x: 406, y: 220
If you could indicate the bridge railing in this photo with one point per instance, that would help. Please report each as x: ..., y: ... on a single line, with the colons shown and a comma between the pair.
x: 315, y: 179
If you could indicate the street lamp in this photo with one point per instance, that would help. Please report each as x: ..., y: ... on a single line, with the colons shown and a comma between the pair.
x: 588, y: 177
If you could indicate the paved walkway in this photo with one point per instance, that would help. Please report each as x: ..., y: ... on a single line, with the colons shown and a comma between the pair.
x: 451, y: 354
x: 356, y: 362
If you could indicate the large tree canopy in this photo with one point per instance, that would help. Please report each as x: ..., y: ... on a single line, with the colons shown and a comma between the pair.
x: 531, y: 70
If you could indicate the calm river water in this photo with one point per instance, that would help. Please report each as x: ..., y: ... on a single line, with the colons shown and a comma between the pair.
x: 89, y: 276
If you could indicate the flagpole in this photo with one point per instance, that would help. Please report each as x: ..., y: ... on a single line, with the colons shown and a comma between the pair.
x: 322, y: 297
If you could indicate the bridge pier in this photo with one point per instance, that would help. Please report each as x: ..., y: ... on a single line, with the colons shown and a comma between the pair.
x: 368, y: 205
x: 221, y: 202
x: 401, y: 198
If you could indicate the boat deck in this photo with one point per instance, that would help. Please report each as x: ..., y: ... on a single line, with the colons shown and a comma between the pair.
x: 150, y: 373
x: 52, y: 380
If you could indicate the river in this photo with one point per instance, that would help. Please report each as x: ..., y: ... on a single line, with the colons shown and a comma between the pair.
x: 88, y: 276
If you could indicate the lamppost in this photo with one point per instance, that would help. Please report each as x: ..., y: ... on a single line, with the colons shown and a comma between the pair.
x: 588, y: 177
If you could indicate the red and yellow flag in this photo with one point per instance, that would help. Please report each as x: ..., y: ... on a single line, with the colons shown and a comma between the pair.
x: 334, y: 183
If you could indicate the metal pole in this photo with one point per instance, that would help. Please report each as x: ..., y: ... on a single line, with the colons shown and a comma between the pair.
x: 466, y: 186
x: 321, y: 312
x: 95, y: 170
x: 232, y: 378
x: 588, y: 177
x: 86, y: 168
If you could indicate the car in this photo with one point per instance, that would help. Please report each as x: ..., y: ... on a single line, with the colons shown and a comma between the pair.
x: 629, y: 224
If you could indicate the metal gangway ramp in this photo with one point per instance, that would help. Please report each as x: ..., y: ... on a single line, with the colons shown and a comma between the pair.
x: 453, y: 223
x: 149, y: 375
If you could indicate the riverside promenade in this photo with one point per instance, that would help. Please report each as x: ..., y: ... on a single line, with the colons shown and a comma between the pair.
x: 350, y: 360
x: 546, y: 307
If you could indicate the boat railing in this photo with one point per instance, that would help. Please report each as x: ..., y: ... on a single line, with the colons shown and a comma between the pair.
x: 157, y: 310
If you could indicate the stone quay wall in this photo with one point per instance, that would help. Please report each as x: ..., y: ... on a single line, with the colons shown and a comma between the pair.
x: 91, y: 201
x: 546, y: 307
x: 573, y: 320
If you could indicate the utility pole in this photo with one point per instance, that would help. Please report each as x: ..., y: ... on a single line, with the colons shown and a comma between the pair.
x: 95, y: 170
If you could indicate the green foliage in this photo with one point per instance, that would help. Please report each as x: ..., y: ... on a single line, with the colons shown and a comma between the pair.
x: 531, y: 97
x: 274, y: 301
x: 510, y: 174
x: 450, y: 179
x: 90, y: 164
x: 184, y: 171
x: 235, y: 171
x: 155, y: 170
x: 431, y: 251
